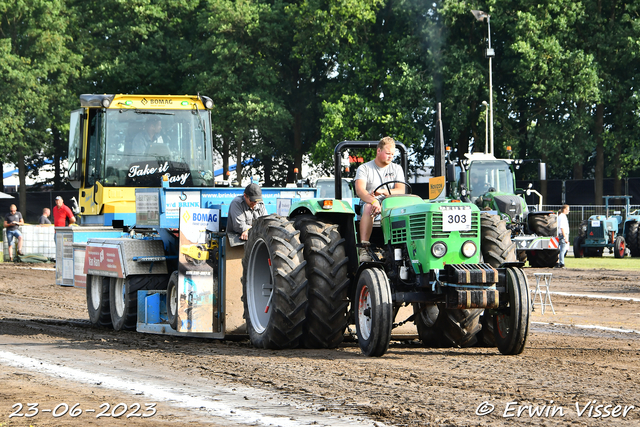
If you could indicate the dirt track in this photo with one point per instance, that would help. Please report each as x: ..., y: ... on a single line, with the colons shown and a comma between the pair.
x: 230, y: 382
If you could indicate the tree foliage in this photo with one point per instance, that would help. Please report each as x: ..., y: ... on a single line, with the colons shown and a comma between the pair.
x: 294, y: 78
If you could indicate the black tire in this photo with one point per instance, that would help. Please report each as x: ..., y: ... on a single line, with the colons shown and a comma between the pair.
x: 327, y: 291
x: 441, y: 327
x: 582, y: 230
x: 632, y: 239
x: 486, y: 337
x: 172, y: 301
x: 374, y: 312
x: 543, y: 225
x: 547, y: 258
x: 496, y: 244
x: 123, y: 304
x: 522, y: 256
x: 578, y: 250
x: 511, y: 324
x: 594, y: 252
x: 98, y: 301
x: 273, y: 258
x: 619, y: 247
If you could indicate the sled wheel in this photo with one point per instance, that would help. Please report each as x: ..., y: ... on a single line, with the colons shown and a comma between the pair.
x: 274, y: 284
x: 172, y: 301
x: 619, y: 247
x: 98, y: 300
x: 374, y: 312
x: 511, y: 324
x: 124, y: 305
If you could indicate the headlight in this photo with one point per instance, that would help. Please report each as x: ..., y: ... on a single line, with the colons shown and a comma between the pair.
x: 469, y: 249
x: 439, y: 249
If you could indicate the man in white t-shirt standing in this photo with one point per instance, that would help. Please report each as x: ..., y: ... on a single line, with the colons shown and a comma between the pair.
x: 369, y: 176
x: 563, y: 234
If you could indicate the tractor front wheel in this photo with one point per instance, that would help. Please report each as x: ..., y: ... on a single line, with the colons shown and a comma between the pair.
x: 511, y: 324
x: 374, y: 312
x: 578, y: 250
x: 619, y: 247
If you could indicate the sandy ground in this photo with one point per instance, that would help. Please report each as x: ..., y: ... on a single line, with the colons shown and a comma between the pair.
x: 569, y: 374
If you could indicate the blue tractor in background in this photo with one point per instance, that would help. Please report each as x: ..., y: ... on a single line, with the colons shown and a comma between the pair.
x: 617, y: 232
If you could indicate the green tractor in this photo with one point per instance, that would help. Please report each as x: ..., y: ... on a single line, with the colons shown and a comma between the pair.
x: 489, y: 183
x: 303, y: 283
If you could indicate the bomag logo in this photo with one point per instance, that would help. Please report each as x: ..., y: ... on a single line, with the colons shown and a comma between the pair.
x: 154, y: 101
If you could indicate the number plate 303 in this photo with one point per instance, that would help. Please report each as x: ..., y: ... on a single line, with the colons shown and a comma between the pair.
x: 456, y: 219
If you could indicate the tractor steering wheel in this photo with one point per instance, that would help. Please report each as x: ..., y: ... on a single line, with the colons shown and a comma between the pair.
x: 389, y: 188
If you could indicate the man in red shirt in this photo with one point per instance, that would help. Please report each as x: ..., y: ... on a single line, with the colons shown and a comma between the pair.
x: 62, y: 215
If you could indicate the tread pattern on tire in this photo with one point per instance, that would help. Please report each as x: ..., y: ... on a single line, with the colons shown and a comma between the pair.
x: 496, y: 244
x: 544, y: 225
x: 632, y: 239
x: 326, y: 269
x: 289, y: 302
x: 452, y: 328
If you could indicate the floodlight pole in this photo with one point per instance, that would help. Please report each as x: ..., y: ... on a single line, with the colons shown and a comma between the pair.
x: 489, y: 53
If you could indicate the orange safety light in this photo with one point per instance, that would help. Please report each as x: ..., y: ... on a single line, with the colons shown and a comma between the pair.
x: 346, y: 169
x: 447, y: 148
x: 508, y: 148
x: 295, y: 170
x: 327, y: 204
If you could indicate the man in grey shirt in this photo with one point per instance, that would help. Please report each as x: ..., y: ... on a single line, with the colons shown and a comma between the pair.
x: 244, y: 210
x: 369, y: 176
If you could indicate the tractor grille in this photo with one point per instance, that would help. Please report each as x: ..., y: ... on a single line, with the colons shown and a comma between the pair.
x: 418, y: 226
x: 399, y: 235
x: 438, y: 233
x: 596, y: 232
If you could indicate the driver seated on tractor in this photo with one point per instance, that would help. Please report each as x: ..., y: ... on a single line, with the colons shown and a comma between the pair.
x: 369, y: 176
x: 149, y: 135
x: 479, y: 185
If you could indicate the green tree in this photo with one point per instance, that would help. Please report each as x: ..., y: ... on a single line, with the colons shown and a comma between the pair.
x: 35, y: 64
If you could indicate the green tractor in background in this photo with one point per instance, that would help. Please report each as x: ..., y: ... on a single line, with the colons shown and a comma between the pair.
x: 303, y: 283
x: 490, y: 184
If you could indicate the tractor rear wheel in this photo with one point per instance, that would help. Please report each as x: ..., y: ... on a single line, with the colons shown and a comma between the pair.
x: 619, y: 247
x: 98, y: 300
x: 326, y: 269
x: 511, y: 324
x: 544, y: 225
x: 632, y: 239
x: 441, y: 327
x: 496, y: 244
x: 374, y: 312
x: 172, y: 301
x: 124, y: 304
x: 274, y: 284
x: 578, y: 250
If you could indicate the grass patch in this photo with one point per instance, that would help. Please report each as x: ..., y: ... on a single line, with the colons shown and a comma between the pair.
x: 607, y: 263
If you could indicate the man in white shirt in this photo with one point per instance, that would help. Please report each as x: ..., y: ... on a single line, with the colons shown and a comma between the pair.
x: 563, y: 234
x: 369, y: 176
